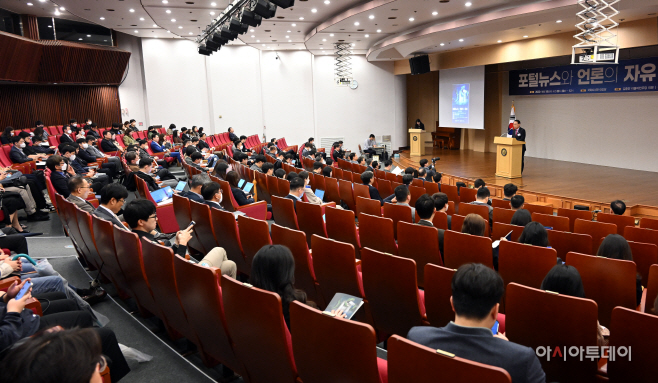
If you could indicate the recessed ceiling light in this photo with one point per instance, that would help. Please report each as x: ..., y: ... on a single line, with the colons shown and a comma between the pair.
x: 213, y: 4
x: 468, y: 4
x: 50, y: 26
x: 102, y: 18
x: 559, y: 21
x: 301, y: 18
x: 525, y: 37
x: 168, y: 31
x: 500, y: 41
x: 141, y: 19
x: 168, y: 11
x: 314, y: 10
x: 353, y: 44
x: 29, y: 4
x: 173, y: 20
x: 442, y: 44
x: 136, y: 31
x: 321, y: 48
x: 212, y: 13
x: 88, y: 35
x: 327, y: 2
x: 287, y: 37
x: 435, y: 13
x: 324, y: 39
x: 263, y: 44
x: 132, y: 10
x: 164, y: 2
x: 62, y: 9
x: 357, y: 23
x: 257, y: 41
x: 461, y: 40
x: 190, y: 33
x: 411, y: 19
x: 180, y: 27
x: 289, y: 41
x: 331, y: 35
x: 367, y: 36
x: 57, y: 13
x: 78, y: 39
x: 371, y: 17
x: 294, y: 25
x: 252, y: 36
x: 155, y: 25
x: 251, y: 30
x: 379, y: 31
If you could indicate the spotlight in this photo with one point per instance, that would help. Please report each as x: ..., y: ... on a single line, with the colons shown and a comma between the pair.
x: 265, y: 9
x: 217, y: 38
x: 204, y: 51
x: 236, y: 26
x: 250, y: 18
x: 227, y: 34
x: 284, y: 3
x: 213, y: 45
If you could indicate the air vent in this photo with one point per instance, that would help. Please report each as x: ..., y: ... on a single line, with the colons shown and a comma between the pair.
x: 110, y: 10
x: 280, y: 17
x: 392, y: 18
x: 194, y: 21
x: 189, y: 2
x: 268, y: 30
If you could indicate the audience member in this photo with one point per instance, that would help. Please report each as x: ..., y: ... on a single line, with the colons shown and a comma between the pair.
x: 196, y: 184
x: 479, y: 183
x: 476, y: 293
x: 268, y: 169
x: 614, y: 246
x: 296, y: 190
x: 369, y: 145
x: 387, y: 166
x: 403, y: 197
x: 308, y: 191
x: 618, y: 207
x: 212, y: 194
x: 79, y: 190
x: 426, y: 209
x: 521, y: 217
x: 367, y: 178
x: 259, y: 160
x: 317, y: 168
x: 441, y: 205
x: 482, y: 199
x: 239, y: 195
x: 113, y: 196
x: 517, y: 202
x: 534, y: 234
x: 327, y: 171
x: 509, y: 190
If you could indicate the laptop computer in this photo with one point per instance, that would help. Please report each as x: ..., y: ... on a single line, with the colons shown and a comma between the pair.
x: 162, y: 196
x: 320, y: 194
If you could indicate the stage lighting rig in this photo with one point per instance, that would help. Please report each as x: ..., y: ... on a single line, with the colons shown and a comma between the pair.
x: 236, y: 19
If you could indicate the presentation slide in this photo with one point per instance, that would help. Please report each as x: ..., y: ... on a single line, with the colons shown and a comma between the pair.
x: 461, y: 98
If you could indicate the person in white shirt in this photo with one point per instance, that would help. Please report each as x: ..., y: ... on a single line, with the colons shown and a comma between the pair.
x: 369, y: 145
x: 310, y: 196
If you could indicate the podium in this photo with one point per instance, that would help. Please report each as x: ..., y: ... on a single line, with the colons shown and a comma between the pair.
x: 416, y: 142
x: 509, y: 157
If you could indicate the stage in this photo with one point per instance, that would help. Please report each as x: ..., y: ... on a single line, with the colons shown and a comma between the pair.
x: 561, y: 178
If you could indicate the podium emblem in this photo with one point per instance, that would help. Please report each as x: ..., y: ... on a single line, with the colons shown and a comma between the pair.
x: 503, y: 152
x: 415, y: 138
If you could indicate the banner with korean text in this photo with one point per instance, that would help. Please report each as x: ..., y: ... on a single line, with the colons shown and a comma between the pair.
x: 627, y: 76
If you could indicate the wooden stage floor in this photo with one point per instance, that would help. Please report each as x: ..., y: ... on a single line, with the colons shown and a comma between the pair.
x: 567, y: 179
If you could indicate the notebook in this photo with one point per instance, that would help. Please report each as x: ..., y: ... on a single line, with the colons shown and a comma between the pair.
x: 162, y: 195
x: 320, y: 194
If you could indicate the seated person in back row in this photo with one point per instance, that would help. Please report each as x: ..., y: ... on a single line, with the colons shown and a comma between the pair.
x: 367, y: 179
x: 144, y: 172
x: 403, y: 197
x: 482, y: 198
x: 476, y: 293
x: 426, y: 209
x: 406, y: 181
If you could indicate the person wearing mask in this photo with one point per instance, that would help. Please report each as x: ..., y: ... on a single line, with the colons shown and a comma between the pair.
x: 441, y: 205
x: 113, y: 196
x: 108, y: 143
x: 278, y: 163
x: 268, y: 169
x: 482, y: 199
x: 80, y: 190
x: 476, y: 293
x: 220, y: 171
x: 317, y: 168
x: 39, y: 146
x: 150, y: 132
x: 98, y: 180
x: 195, y: 161
x: 614, y: 246
x: 367, y: 178
x: 85, y: 157
x: 196, y: 184
x: 307, y: 151
x: 212, y: 194
x: 59, y: 174
x: 133, y: 125
x: 67, y: 136
x: 31, y: 195
x: 18, y: 156
x: 93, y: 131
x: 144, y: 172
x: 565, y: 280
x: 128, y: 138
x: 6, y: 136
x: 92, y: 148
x: 426, y: 209
x: 296, y: 191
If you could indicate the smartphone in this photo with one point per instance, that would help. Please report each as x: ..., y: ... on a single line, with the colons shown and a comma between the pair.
x: 190, y: 225
x: 26, y: 287
x: 494, y: 329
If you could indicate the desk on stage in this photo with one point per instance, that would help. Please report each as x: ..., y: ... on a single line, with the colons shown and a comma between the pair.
x: 509, y: 156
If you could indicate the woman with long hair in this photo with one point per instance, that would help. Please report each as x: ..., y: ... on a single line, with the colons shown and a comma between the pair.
x: 614, y: 246
x: 5, y: 138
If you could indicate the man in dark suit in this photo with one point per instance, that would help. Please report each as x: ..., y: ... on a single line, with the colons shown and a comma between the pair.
x: 107, y: 144
x: 296, y: 190
x: 79, y: 189
x: 519, y: 133
x: 66, y: 137
x: 212, y: 195
x: 231, y: 135
x: 107, y: 168
x: 441, y: 205
x: 145, y: 171
x: 93, y: 131
x: 98, y: 181
x: 59, y: 174
x: 196, y: 184
x: 366, y: 178
x: 183, y: 134
x: 113, y: 196
x: 425, y: 208
x: 17, y: 155
x: 476, y: 293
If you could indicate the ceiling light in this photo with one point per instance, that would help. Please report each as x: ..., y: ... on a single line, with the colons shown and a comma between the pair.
x: 287, y: 37
x: 251, y: 30
x: 257, y: 41
x: 190, y: 33
x: 357, y: 23
x: 287, y: 31
x: 435, y: 13
x: 289, y: 41
x: 263, y: 44
x: 88, y: 35
x: 212, y: 13
x: 411, y: 19
x: 57, y: 13
x: 180, y: 27
x: 468, y: 4
x: 327, y: 2
x: 371, y: 17
x: 168, y: 31
x: 461, y: 40
x: 173, y: 20
x: 500, y: 41
x: 252, y: 36
x: 314, y: 10
x: 62, y: 9
x: 331, y: 35
x: 353, y: 44
x: 80, y: 38
x: 155, y: 25
x: 136, y: 31
x: 301, y: 18
x: 141, y: 19
x: 321, y: 48
x: 442, y: 44
x: 50, y: 26
x: 29, y: 4
x: 379, y: 31
x: 324, y: 39
x: 168, y: 11
x: 102, y: 18
x: 164, y: 2
x: 525, y: 37
x: 559, y: 21
x: 213, y: 4
x: 294, y: 25
x: 132, y: 10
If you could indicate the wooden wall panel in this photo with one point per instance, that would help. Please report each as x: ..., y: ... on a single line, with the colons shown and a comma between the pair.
x: 30, y: 27
x: 423, y: 100
x: 19, y: 58
x: 22, y: 105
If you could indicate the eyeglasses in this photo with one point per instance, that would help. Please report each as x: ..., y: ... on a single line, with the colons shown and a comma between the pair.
x: 155, y: 216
